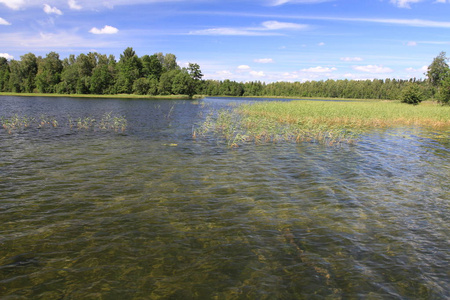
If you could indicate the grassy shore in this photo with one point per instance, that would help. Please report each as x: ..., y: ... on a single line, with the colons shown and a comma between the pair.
x: 318, y: 121
x: 119, y: 96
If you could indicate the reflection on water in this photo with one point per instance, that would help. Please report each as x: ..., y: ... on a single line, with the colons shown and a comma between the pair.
x: 92, y: 214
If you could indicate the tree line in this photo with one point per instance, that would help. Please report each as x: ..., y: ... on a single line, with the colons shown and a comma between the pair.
x: 95, y: 73
x: 160, y: 74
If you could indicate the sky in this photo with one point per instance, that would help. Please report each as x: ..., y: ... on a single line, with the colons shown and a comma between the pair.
x: 241, y: 40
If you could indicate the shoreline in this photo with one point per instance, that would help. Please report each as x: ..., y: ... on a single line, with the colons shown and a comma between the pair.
x: 117, y: 96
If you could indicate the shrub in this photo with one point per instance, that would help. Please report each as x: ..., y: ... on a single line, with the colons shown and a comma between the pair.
x: 412, y: 94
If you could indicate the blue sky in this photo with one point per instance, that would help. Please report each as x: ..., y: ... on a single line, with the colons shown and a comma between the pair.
x: 242, y: 40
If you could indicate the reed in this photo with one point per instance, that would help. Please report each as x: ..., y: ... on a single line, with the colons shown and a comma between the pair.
x: 329, y: 123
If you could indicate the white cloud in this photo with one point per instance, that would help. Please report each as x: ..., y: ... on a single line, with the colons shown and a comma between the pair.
x: 411, y: 44
x: 266, y: 29
x: 374, y: 69
x: 257, y: 74
x: 4, y: 22
x: 52, y: 41
x: 13, y: 4
x: 275, y: 25
x: 319, y: 69
x: 7, y: 56
x: 105, y: 30
x: 404, y: 3
x: 74, y: 5
x: 231, y: 32
x: 244, y: 67
x: 421, y: 70
x: 281, y: 2
x: 321, y: 44
x: 264, y: 60
x: 351, y: 59
x: 51, y: 10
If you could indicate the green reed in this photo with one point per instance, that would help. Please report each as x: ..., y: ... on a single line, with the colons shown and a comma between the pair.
x: 329, y: 123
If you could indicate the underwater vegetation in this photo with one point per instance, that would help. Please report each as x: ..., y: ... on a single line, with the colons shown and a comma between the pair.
x: 108, y: 122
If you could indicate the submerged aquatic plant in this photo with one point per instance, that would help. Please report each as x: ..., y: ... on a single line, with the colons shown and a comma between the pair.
x: 107, y: 122
x: 114, y: 122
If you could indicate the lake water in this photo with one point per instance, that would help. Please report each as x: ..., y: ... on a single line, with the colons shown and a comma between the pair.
x: 151, y: 213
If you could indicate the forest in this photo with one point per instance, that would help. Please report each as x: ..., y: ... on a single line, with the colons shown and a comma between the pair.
x: 160, y: 74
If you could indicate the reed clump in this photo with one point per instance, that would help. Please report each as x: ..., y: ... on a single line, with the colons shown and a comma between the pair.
x: 329, y: 123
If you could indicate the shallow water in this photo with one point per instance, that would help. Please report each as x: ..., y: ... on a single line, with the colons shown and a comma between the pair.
x: 153, y: 213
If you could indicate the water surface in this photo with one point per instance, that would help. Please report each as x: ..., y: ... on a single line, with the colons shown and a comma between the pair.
x: 151, y: 213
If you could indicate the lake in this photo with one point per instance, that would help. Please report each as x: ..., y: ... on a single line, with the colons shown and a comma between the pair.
x: 149, y: 212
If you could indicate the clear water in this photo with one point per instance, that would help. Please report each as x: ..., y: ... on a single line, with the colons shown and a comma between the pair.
x: 151, y: 213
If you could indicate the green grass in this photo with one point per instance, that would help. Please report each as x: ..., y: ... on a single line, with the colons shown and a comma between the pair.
x: 119, y: 96
x: 315, y: 121
x: 351, y: 114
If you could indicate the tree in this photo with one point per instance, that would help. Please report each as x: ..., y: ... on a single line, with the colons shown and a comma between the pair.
x: 166, y: 81
x: 438, y: 69
x: 183, y: 84
x: 443, y: 94
x: 29, y: 69
x: 129, y: 69
x: 49, y: 73
x: 4, y: 74
x: 412, y: 94
x: 151, y: 67
x: 141, y: 86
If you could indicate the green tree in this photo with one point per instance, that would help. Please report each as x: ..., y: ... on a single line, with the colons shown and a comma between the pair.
x: 183, y: 84
x: 166, y: 82
x: 443, y: 94
x: 438, y: 69
x: 412, y: 94
x: 141, y: 86
x: 49, y: 73
x: 29, y: 69
x: 4, y: 75
x: 151, y: 66
x: 129, y: 69
x: 15, y: 78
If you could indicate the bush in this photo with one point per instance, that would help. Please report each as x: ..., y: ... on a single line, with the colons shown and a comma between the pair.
x: 412, y: 94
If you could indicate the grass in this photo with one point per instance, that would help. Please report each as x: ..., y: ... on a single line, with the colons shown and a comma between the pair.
x: 118, y: 96
x: 314, y: 121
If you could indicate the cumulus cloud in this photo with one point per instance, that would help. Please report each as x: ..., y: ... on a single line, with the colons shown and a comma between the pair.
x: 374, y: 69
x: 105, y: 30
x: 351, y: 59
x: 264, y: 60
x: 74, y: 5
x: 257, y: 74
x: 319, y: 69
x: 244, y: 67
x: 4, y: 22
x: 51, y: 10
x: 7, y: 56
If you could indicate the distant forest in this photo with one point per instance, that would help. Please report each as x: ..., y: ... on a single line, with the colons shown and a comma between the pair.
x: 160, y: 74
